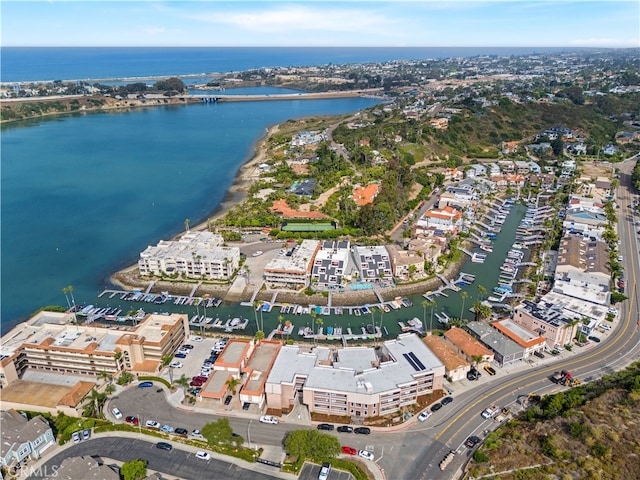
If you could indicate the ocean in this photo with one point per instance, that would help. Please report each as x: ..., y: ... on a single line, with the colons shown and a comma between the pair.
x: 24, y: 64
x: 82, y: 195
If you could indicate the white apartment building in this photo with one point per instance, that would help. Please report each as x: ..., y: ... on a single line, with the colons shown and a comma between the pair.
x: 195, y: 255
x: 292, y: 271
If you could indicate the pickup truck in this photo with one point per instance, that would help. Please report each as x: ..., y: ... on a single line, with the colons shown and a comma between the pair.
x: 490, y: 411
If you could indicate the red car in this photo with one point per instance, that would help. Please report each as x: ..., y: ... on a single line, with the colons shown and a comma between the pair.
x: 199, y: 378
x: 196, y: 383
x: 349, y: 450
x: 133, y: 420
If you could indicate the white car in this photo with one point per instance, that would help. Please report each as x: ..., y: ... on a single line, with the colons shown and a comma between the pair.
x: 269, y: 419
x: 613, y: 311
x: 197, y: 339
x: 490, y: 412
x: 196, y: 434
x: 605, y: 327
x: 203, y: 455
x: 424, y: 415
x: 175, y: 364
x: 365, y: 454
x: 257, y: 254
x: 152, y: 424
x: 116, y: 413
x: 620, y: 258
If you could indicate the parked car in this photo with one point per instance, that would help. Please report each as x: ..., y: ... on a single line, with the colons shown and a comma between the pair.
x: 424, y: 415
x: 196, y: 383
x: 362, y: 430
x: 605, y: 327
x: 145, y: 385
x: 538, y: 354
x: 166, y: 428
x: 472, y: 441
x: 175, y: 364
x: 257, y: 253
x: 196, y: 434
x: 116, y: 413
x: 152, y: 424
x: 86, y: 434
x: 246, y: 405
x: 133, y: 420
x: 188, y: 346
x: 435, y: 407
x: 366, y: 454
x: 324, y: 471
x: 180, y: 355
x: 489, y: 412
x: 164, y: 446
x: 181, y: 431
x: 344, y: 429
x: 473, y: 374
x: 349, y: 450
x: 197, y: 339
x: 489, y: 370
x: 228, y: 399
x: 203, y: 455
x: 594, y: 339
x: 269, y: 419
x: 75, y: 436
x: 325, y: 426
x: 446, y: 400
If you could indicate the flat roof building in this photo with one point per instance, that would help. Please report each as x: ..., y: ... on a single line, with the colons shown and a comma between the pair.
x: 373, y: 262
x: 355, y: 381
x: 292, y: 271
x: 505, y: 350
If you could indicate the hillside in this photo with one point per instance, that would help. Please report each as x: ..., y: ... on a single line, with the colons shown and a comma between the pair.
x: 589, y: 432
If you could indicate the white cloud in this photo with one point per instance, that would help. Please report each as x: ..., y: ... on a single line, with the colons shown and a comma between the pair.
x: 290, y: 18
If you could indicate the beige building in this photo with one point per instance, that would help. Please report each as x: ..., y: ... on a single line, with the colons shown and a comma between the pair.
x: 294, y: 271
x: 52, y: 342
x: 547, y: 320
x: 405, y: 264
x: 472, y: 350
x: 354, y: 381
x: 455, y: 365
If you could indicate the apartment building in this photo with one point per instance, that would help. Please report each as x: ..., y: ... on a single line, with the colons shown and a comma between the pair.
x: 293, y: 271
x: 547, y: 320
x: 455, y: 365
x: 354, y: 381
x: 405, y: 264
x: 195, y: 255
x: 470, y: 348
x: 332, y: 263
x: 52, y: 342
x: 373, y: 262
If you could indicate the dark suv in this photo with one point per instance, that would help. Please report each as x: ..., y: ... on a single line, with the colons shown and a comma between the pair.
x: 164, y: 446
x: 363, y: 430
x: 446, y: 400
x: 473, y: 374
x: 345, y: 429
x: 325, y: 426
x: 227, y: 400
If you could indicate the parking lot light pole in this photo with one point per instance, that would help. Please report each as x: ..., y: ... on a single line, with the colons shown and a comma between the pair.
x: 249, y: 433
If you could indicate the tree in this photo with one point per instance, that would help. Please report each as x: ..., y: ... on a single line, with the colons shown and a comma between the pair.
x: 482, y: 290
x: 312, y: 444
x: 186, y: 224
x: 255, y: 306
x: 134, y: 469
x: 481, y: 310
x: 425, y: 304
x: 259, y: 335
x: 95, y: 402
x: 110, y: 389
x: 219, y: 433
x: 464, y: 296
x: 232, y: 383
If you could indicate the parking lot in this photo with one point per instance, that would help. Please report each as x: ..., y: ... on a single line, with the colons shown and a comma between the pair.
x: 192, y: 363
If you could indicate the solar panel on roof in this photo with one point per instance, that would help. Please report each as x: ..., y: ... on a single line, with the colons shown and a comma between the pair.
x: 417, y: 361
x: 411, y: 362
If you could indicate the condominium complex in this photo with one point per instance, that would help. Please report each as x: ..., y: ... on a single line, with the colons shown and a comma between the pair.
x: 354, y: 381
x: 331, y: 264
x: 195, y: 255
x: 373, y: 262
x: 53, y: 342
x: 292, y: 271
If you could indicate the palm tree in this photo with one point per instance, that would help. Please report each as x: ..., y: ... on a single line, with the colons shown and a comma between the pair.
x: 481, y: 310
x: 109, y: 389
x: 65, y: 290
x: 464, y: 296
x: 104, y: 375
x: 186, y: 224
x: 482, y: 290
x: 432, y: 303
x: 183, y: 381
x: 425, y: 304
x: 255, y: 306
x: 166, y: 360
x: 95, y: 402
x: 259, y: 335
x: 313, y: 322
x: 232, y: 383
x: 320, y: 322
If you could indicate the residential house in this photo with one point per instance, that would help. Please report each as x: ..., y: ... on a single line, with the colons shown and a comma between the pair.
x: 405, y: 264
x: 470, y: 348
x: 373, y: 262
x: 505, y: 351
x: 23, y: 438
x: 365, y: 195
x: 455, y: 365
x: 332, y: 264
x: 447, y: 219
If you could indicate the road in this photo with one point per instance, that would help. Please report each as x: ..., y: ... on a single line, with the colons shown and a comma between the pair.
x: 177, y: 462
x: 615, y: 352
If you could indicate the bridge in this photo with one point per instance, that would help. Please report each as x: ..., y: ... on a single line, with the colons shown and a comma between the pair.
x: 209, y: 98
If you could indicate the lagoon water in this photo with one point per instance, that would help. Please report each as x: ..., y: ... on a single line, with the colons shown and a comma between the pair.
x: 83, y: 195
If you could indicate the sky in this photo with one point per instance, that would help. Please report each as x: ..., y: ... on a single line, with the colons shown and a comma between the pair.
x: 348, y: 23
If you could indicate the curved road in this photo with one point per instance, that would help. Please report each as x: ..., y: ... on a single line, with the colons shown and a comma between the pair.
x: 615, y: 352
